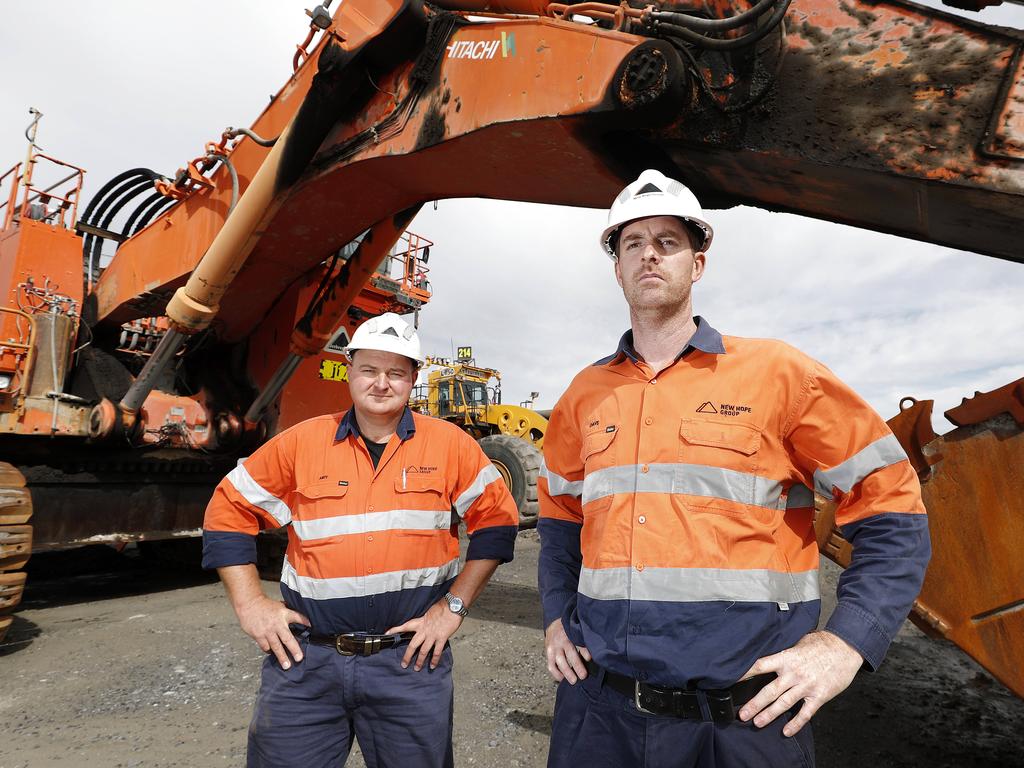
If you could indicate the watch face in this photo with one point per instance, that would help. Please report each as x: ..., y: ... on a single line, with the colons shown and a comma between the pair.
x: 455, y: 604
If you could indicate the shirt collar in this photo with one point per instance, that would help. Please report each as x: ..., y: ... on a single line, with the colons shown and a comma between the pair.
x: 348, y: 426
x: 705, y: 338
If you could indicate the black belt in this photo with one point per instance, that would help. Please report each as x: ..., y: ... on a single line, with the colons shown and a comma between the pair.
x: 361, y: 643
x: 723, y: 704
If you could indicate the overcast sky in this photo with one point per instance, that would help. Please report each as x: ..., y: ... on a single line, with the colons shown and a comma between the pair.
x: 125, y: 84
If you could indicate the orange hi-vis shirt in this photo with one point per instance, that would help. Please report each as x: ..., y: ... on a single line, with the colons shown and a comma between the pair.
x: 676, y: 511
x: 368, y: 548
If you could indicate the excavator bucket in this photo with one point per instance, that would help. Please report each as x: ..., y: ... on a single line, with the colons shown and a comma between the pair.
x: 972, y: 481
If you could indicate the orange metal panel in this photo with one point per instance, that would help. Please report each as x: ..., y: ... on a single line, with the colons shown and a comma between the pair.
x: 40, y: 251
x: 972, y: 483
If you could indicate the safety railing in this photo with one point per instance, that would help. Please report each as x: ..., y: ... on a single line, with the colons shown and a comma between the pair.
x: 9, y: 201
x: 56, y: 203
x: 414, y: 252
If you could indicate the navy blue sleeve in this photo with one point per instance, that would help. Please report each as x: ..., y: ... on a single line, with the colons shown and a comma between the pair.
x: 224, y: 548
x: 875, y: 593
x: 494, y: 543
x: 558, y: 569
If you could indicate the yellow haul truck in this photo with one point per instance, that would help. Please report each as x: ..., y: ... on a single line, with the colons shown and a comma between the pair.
x: 459, y: 391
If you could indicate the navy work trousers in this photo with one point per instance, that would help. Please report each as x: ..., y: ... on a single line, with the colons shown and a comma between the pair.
x: 308, y: 715
x: 598, y: 727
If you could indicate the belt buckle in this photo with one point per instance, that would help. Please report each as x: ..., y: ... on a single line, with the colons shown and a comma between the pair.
x: 337, y: 644
x: 366, y: 645
x: 636, y: 699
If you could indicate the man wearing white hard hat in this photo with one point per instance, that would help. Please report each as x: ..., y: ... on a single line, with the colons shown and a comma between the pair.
x: 679, y: 567
x: 372, y: 589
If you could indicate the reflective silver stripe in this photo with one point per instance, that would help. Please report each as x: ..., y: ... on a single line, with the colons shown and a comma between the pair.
x: 558, y: 485
x: 487, y: 476
x: 799, y: 496
x: 257, y: 495
x: 691, y: 585
x: 691, y: 479
x: 371, y: 584
x: 880, y: 454
x: 403, y: 519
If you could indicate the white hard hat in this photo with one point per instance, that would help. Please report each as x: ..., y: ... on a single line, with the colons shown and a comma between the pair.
x: 654, y: 194
x: 387, y: 333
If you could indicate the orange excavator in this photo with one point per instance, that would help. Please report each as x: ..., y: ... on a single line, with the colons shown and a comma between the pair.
x: 150, y: 339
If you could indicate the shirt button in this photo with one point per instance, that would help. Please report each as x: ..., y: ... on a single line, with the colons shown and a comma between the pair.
x: 369, y: 538
x: 369, y: 570
x: 640, y: 566
x: 370, y: 508
x: 654, y: 381
x: 648, y: 421
x: 645, y: 469
x: 641, y: 519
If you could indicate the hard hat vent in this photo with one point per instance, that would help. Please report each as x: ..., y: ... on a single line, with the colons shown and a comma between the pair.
x: 655, y: 194
x: 387, y: 333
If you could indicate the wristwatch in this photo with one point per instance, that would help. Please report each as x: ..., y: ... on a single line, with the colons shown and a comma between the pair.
x: 455, y: 604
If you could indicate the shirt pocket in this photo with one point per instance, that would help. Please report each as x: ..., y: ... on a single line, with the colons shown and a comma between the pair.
x: 318, y: 512
x: 422, y: 506
x: 717, y: 470
x: 599, y: 454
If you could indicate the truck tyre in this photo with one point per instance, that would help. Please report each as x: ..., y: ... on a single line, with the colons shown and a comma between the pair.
x: 518, y: 463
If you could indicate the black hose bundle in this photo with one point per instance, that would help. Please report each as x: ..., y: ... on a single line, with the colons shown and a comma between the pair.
x: 698, y: 31
x: 104, y: 207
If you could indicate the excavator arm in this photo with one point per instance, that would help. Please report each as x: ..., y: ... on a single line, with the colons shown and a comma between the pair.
x: 885, y: 115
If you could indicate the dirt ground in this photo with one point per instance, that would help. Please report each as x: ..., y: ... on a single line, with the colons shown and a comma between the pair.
x: 114, y: 661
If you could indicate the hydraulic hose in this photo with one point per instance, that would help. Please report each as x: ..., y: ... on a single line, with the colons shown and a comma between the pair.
x: 232, y: 133
x: 158, y: 206
x: 234, y: 176
x: 714, y: 44
x: 714, y: 25
x: 117, y: 192
x: 139, y: 210
x: 105, y: 189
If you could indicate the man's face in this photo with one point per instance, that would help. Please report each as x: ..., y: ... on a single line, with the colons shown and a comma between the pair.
x: 380, y: 382
x: 657, y: 265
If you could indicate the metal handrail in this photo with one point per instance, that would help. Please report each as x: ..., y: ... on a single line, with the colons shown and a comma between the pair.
x: 72, y: 196
x: 12, y: 198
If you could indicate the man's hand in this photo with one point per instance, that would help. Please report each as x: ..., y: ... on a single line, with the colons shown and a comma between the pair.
x: 266, y: 621
x: 816, y: 670
x: 565, y: 660
x: 432, y: 631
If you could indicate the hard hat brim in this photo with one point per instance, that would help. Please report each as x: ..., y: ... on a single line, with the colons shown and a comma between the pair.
x: 698, y: 224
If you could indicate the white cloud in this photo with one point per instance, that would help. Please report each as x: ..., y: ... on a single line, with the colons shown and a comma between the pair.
x: 126, y: 84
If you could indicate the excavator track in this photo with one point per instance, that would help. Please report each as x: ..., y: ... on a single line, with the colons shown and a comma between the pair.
x: 15, y: 541
x: 81, y: 498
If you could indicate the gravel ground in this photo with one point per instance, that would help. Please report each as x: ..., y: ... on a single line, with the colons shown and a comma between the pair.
x: 116, y: 662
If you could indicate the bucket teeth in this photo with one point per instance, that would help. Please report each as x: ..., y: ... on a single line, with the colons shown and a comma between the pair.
x: 987, y: 405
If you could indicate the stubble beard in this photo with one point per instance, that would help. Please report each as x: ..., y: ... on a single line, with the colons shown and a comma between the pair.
x: 656, y: 304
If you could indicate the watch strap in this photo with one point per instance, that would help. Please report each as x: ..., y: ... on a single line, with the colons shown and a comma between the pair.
x: 450, y: 598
